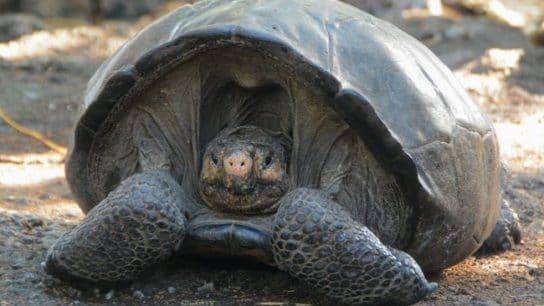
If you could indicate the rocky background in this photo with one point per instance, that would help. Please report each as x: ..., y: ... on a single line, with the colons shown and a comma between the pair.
x: 49, y: 49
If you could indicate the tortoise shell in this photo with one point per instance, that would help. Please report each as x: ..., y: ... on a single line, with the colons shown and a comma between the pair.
x: 316, y: 68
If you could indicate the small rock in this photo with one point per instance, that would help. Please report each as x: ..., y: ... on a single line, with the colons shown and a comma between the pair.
x: 528, y: 277
x: 171, y: 290
x: 462, y: 291
x: 16, y: 266
x: 18, y: 200
x: 6, y: 232
x: 30, y: 276
x: 32, y: 222
x: 476, y: 302
x: 138, y: 294
x: 207, y: 287
x: 110, y: 294
x: 16, y: 245
x: 27, y: 240
x: 502, y: 280
x: 71, y: 292
x: 45, y: 195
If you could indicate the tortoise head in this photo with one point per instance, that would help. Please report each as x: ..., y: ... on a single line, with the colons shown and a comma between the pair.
x: 244, y: 170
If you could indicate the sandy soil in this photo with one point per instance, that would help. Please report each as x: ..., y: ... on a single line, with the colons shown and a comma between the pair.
x: 42, y: 79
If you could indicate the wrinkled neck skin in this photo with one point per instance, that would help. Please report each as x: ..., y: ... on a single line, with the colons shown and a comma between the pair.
x: 244, y: 170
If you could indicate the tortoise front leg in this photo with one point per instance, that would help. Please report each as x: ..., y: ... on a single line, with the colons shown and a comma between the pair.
x: 138, y: 224
x: 317, y: 241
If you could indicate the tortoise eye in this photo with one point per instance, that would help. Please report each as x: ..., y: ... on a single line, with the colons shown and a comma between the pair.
x: 215, y: 161
x: 267, y: 162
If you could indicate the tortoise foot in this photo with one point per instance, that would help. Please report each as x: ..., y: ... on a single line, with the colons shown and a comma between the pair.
x: 506, y: 233
x: 316, y: 241
x: 138, y: 224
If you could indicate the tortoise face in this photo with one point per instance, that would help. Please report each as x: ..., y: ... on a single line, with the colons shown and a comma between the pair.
x: 244, y: 171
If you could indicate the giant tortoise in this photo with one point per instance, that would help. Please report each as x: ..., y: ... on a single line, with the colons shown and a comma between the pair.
x: 306, y: 134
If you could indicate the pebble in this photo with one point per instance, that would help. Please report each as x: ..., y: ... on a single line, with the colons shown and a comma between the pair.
x: 110, y: 294
x: 16, y: 266
x: 207, y: 287
x: 32, y: 277
x: 45, y: 196
x: 18, y: 200
x: 138, y: 294
x: 476, y: 302
x: 34, y: 222
x: 171, y: 290
x: 27, y: 240
x: 462, y: 291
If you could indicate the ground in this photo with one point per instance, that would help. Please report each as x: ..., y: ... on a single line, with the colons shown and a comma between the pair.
x: 42, y: 80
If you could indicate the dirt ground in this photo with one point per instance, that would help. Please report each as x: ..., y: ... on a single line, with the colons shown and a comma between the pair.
x: 42, y: 80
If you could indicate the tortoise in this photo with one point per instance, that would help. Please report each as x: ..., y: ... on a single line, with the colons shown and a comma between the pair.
x: 308, y: 135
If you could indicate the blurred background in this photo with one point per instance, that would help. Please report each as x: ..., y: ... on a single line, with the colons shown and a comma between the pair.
x: 50, y: 48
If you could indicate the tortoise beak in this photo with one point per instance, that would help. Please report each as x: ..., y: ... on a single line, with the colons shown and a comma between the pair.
x: 240, y: 185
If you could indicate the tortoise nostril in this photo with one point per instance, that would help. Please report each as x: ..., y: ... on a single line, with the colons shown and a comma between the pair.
x: 238, y: 163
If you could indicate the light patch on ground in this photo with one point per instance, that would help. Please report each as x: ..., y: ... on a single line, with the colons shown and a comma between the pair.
x: 519, y: 141
x: 93, y: 41
x: 521, y: 137
x: 516, y: 13
x: 65, y: 210
x: 486, y: 76
x: 25, y: 175
x: 32, y: 158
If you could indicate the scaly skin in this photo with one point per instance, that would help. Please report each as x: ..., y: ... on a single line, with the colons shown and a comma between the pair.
x: 138, y: 224
x: 318, y: 242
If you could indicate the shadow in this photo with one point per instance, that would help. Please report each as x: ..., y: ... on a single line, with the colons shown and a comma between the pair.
x: 191, y: 280
x: 530, y: 74
x: 525, y: 193
x: 458, y: 41
x: 506, y: 278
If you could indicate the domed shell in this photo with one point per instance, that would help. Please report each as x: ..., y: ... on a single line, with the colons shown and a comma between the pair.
x: 410, y: 109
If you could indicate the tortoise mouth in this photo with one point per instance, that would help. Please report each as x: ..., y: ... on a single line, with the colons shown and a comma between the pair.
x: 254, y: 199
